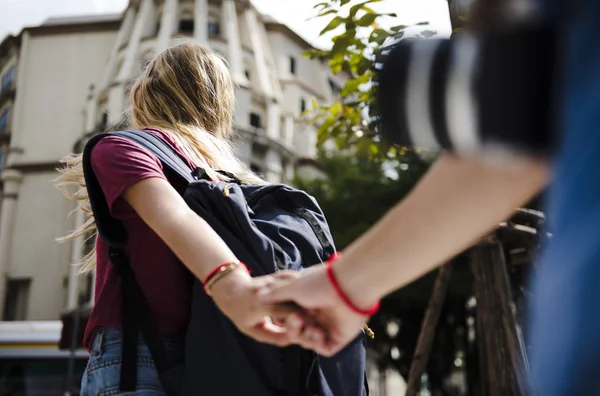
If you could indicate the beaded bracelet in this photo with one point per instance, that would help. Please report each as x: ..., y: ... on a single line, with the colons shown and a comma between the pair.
x: 343, y: 296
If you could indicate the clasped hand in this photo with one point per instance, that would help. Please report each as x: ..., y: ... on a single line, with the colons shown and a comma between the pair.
x: 289, y: 308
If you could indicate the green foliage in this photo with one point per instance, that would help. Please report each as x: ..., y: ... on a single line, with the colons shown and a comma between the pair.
x: 358, y: 191
x: 350, y: 122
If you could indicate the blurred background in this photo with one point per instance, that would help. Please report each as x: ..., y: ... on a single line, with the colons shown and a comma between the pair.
x: 304, y: 116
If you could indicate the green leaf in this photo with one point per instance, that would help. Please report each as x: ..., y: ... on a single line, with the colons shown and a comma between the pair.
x: 353, y: 85
x: 422, y: 23
x: 336, y: 63
x: 363, y: 66
x: 378, y: 36
x: 361, y: 6
x: 363, y: 147
x: 334, y: 23
x: 335, y: 109
x: 344, y: 2
x: 367, y: 20
x: 328, y: 12
x: 315, y: 53
x: 314, y: 103
x: 340, y: 142
x: 398, y: 28
x: 340, y: 43
x: 322, y: 5
x: 329, y: 122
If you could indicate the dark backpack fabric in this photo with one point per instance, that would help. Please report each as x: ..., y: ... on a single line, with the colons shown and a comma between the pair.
x: 269, y: 228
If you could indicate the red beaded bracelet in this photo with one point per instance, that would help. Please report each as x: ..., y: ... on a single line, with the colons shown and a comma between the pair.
x: 343, y: 296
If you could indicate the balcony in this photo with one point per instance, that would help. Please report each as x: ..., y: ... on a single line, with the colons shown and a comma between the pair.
x: 7, y: 94
x: 4, y: 126
x: 258, y: 135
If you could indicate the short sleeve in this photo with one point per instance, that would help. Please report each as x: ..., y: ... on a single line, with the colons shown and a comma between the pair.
x: 119, y: 164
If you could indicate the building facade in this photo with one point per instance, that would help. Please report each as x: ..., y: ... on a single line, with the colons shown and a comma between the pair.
x: 67, y: 79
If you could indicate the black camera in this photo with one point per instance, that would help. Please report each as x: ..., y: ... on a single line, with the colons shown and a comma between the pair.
x: 471, y: 94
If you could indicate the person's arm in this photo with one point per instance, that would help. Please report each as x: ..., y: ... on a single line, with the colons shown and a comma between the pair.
x: 455, y: 203
x: 194, y: 242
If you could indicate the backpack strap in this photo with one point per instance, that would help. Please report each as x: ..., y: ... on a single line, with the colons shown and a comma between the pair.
x: 136, y: 313
x: 171, y: 160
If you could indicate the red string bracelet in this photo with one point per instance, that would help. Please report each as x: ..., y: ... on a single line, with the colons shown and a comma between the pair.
x: 222, y: 270
x: 343, y: 296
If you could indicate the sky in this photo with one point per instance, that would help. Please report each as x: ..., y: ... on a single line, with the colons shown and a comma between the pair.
x: 16, y: 14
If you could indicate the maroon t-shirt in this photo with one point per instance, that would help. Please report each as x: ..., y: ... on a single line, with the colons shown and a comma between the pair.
x: 166, y: 283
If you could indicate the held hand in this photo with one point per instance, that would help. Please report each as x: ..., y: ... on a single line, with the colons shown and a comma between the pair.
x: 313, y: 292
x: 236, y: 297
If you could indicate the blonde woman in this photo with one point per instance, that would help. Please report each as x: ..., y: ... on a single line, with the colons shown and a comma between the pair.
x: 185, y: 97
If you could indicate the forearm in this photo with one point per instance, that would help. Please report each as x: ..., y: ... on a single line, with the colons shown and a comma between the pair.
x: 457, y: 202
x: 189, y: 236
x: 195, y: 243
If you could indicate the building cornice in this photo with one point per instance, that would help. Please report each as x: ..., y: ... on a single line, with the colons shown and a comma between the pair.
x: 281, y: 28
x: 100, y: 26
x: 46, y: 166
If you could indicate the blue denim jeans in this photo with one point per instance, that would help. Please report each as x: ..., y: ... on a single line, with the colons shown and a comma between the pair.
x: 102, y: 375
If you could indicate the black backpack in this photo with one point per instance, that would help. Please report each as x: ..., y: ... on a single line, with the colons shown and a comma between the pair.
x: 269, y: 228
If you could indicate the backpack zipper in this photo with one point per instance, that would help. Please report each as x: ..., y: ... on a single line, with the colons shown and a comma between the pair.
x: 226, y: 189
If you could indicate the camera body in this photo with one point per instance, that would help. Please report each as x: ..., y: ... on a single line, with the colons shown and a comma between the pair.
x: 472, y: 95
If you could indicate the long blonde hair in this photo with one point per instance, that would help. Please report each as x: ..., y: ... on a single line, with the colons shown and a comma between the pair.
x: 186, y: 92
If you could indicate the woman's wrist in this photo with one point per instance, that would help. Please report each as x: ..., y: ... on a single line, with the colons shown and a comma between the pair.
x: 350, y: 288
x: 231, y: 284
x: 226, y: 276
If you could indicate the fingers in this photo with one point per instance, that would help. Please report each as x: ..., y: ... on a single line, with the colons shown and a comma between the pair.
x: 286, y: 275
x: 277, y: 291
x: 267, y: 280
x: 300, y: 329
x: 270, y: 333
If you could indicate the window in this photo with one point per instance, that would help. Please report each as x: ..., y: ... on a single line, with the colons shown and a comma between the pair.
x: 3, y: 121
x: 292, y: 65
x: 302, y: 106
x: 247, y: 73
x: 17, y: 299
x: 256, y: 169
x: 103, y: 122
x: 255, y: 120
x: 282, y: 128
x: 284, y: 171
x: 186, y: 26
x: 85, y: 289
x: 8, y: 79
x: 214, y: 29
x: 334, y: 87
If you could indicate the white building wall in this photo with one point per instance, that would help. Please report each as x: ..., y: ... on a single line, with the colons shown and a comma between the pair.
x: 41, y: 217
x: 57, y: 72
